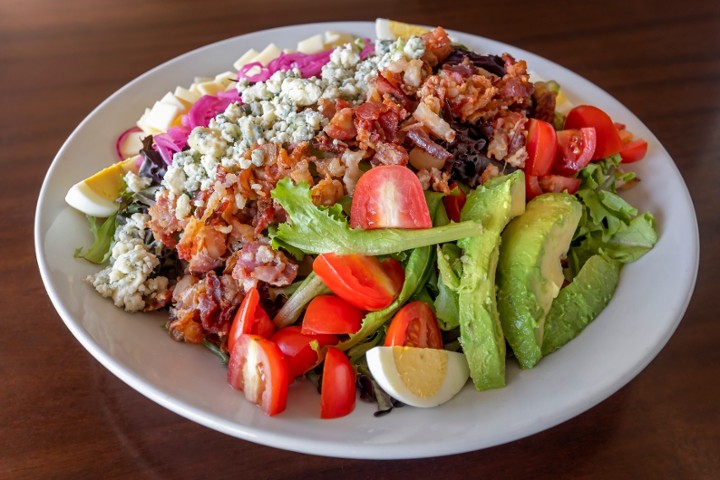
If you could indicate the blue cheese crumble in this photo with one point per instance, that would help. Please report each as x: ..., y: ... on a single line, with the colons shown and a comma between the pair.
x: 129, y: 279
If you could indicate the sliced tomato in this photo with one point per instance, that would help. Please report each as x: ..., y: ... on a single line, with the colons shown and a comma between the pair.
x: 389, y: 196
x: 541, y: 146
x: 337, y: 391
x: 257, y: 368
x: 575, y: 150
x: 332, y: 315
x: 252, y: 318
x: 532, y: 187
x: 454, y: 202
x: 634, y: 150
x: 608, y: 139
x: 360, y: 280
x: 559, y: 183
x: 415, y: 325
x: 298, y: 349
x: 394, y: 269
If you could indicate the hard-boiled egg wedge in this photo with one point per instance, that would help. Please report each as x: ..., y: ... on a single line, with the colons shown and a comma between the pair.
x: 391, y: 30
x: 96, y: 194
x: 421, y: 377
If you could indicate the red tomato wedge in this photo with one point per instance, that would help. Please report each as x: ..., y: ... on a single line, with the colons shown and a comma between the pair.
x: 394, y: 269
x: 454, y: 202
x: 298, y: 349
x: 575, y: 150
x: 258, y: 369
x: 389, y: 196
x: 608, y: 139
x: 328, y: 314
x: 559, y: 184
x: 362, y: 281
x: 250, y: 318
x: 337, y: 392
x: 541, y: 146
x: 415, y: 325
x: 634, y: 150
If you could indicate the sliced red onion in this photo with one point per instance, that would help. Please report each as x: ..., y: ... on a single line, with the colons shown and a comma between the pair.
x: 121, y: 140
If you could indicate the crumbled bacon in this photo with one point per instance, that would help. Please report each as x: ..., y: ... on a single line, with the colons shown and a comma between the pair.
x: 202, y: 245
x: 508, y: 139
x: 419, y: 137
x: 163, y: 222
x: 258, y: 262
x: 327, y: 192
x: 341, y: 126
x: 205, y: 304
x: 390, y: 154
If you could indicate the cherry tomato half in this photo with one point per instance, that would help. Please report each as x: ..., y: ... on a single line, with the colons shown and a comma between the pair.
x: 575, y: 150
x: 389, y: 196
x: 541, y: 146
x: 329, y: 314
x: 360, y: 280
x: 337, y: 392
x: 298, y: 349
x: 608, y: 139
x: 415, y: 325
x: 250, y: 318
x: 257, y: 368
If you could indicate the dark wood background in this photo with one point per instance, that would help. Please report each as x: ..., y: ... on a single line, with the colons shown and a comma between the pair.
x: 62, y: 415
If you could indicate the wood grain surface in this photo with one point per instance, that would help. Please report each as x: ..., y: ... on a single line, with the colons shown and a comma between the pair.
x: 63, y: 415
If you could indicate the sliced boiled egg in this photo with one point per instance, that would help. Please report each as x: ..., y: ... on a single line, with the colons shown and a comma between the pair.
x: 96, y: 195
x: 420, y: 377
x: 392, y: 30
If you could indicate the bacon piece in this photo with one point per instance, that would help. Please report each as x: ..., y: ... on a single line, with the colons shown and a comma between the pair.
x: 257, y: 261
x: 203, y: 306
x: 508, y: 139
x: 163, y: 222
x: 341, y: 126
x: 327, y: 192
x: 385, y: 87
x: 203, y: 246
x: 419, y: 137
x: 390, y: 154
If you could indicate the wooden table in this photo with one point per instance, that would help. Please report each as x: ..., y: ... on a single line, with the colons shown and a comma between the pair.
x: 62, y: 415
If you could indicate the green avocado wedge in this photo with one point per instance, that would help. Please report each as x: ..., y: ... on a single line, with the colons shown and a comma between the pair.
x: 493, y: 204
x: 580, y: 302
x: 530, y: 275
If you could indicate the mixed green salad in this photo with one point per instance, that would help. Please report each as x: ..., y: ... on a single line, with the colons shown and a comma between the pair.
x: 382, y: 217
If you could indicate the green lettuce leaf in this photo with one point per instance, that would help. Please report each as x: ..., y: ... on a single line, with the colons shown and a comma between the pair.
x: 609, y: 225
x: 99, y: 252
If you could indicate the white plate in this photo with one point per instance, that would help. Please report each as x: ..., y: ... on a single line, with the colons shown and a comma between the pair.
x: 651, y: 299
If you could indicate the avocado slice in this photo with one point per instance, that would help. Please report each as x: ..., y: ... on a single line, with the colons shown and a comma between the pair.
x: 581, y: 302
x: 494, y: 204
x: 529, y: 270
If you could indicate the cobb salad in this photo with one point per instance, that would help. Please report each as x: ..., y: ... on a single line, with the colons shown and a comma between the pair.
x: 376, y: 215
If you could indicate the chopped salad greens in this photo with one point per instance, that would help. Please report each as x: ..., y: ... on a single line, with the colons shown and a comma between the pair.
x: 394, y: 216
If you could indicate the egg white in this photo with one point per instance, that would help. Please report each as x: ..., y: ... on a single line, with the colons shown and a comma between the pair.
x: 382, y: 365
